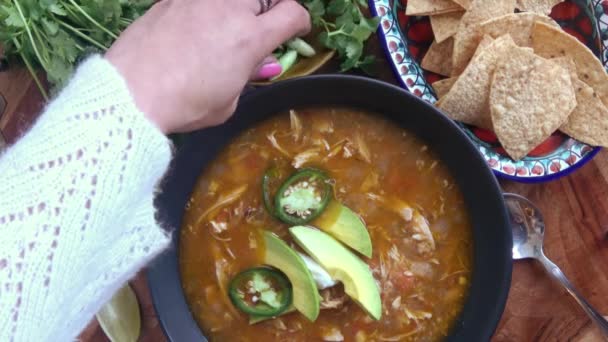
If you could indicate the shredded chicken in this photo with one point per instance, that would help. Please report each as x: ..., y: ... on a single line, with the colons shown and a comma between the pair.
x: 320, y: 143
x: 363, y: 148
x: 422, y: 234
x: 420, y: 164
x: 417, y: 315
x: 347, y: 150
x: 396, y: 303
x: 374, y: 197
x: 394, y: 254
x: 323, y: 126
x: 422, y: 269
x: 383, y: 270
x: 333, y: 335
x: 224, y: 199
x: 325, y: 144
x: 279, y: 324
x: 218, y: 227
x: 407, y: 213
x: 297, y: 326
x: 329, y: 300
x: 296, y: 125
x: 222, y: 269
x: 275, y: 144
x: 304, y: 157
x: 336, y: 148
x: 253, y: 242
x: 213, y: 186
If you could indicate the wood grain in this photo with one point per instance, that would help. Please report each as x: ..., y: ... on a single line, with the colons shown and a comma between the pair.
x: 576, y: 215
x: 23, y: 103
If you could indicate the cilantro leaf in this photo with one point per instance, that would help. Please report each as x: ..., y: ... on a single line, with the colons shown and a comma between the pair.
x: 13, y: 19
x: 337, y: 7
x: 62, y: 32
x: 51, y: 27
x: 345, y: 28
x: 316, y: 9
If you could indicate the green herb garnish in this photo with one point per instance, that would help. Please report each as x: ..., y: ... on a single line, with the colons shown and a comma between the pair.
x: 345, y: 28
x: 53, y: 35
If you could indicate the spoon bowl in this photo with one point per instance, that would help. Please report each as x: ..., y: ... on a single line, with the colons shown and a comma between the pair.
x: 528, y: 227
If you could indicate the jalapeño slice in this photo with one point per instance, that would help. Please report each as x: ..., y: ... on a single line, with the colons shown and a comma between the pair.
x: 270, y: 182
x: 261, y: 291
x: 303, y: 196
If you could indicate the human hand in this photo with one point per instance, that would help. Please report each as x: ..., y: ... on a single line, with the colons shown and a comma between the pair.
x: 187, y: 61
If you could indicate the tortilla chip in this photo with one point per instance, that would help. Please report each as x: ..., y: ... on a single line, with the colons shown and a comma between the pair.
x: 550, y: 42
x: 443, y: 86
x: 530, y: 98
x: 467, y: 101
x: 445, y: 25
x: 464, y: 3
x: 518, y: 25
x: 482, y: 10
x: 431, y: 7
x: 537, y: 6
x: 485, y: 41
x: 438, y: 58
x: 566, y: 63
x: 588, y: 122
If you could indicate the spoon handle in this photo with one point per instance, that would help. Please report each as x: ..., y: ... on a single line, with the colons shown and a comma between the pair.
x: 557, y: 274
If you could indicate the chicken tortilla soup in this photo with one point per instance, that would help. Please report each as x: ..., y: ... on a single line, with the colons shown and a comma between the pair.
x: 326, y: 225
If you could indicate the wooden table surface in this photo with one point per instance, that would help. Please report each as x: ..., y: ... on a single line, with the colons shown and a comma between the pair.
x: 576, y: 215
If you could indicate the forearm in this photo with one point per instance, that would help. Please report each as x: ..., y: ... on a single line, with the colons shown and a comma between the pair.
x: 76, y: 214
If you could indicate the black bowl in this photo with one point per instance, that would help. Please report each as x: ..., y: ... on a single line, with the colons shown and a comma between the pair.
x: 492, y: 235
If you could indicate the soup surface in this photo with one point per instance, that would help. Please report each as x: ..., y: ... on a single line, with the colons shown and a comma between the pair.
x: 384, y: 174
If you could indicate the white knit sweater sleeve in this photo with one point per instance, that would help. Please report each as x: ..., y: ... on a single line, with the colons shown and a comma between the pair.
x: 76, y: 211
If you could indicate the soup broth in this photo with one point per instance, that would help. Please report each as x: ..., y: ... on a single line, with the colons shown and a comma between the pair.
x: 384, y: 174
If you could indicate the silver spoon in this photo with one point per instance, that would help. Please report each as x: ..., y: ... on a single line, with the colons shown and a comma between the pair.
x: 528, y: 232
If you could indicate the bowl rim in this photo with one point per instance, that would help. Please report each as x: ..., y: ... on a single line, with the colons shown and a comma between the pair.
x: 170, y: 304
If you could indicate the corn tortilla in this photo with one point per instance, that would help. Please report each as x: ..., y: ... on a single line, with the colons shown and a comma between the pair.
x: 525, y: 110
x: 588, y: 122
x: 467, y: 100
x: 431, y: 7
x: 537, y: 6
x: 551, y: 42
x: 464, y: 3
x: 442, y: 87
x: 445, y: 25
x: 518, y: 25
x: 482, y: 10
x: 438, y: 58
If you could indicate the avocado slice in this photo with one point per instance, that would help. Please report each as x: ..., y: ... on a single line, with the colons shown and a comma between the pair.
x: 343, y: 265
x: 346, y: 226
x: 279, y: 255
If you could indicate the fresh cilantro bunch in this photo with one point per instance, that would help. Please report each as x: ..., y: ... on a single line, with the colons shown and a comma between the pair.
x: 52, y: 35
x: 344, y: 28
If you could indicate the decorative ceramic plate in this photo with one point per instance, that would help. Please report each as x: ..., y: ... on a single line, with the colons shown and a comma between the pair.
x: 406, y: 40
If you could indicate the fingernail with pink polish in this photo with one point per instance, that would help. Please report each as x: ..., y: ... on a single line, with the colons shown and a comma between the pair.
x: 270, y: 70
